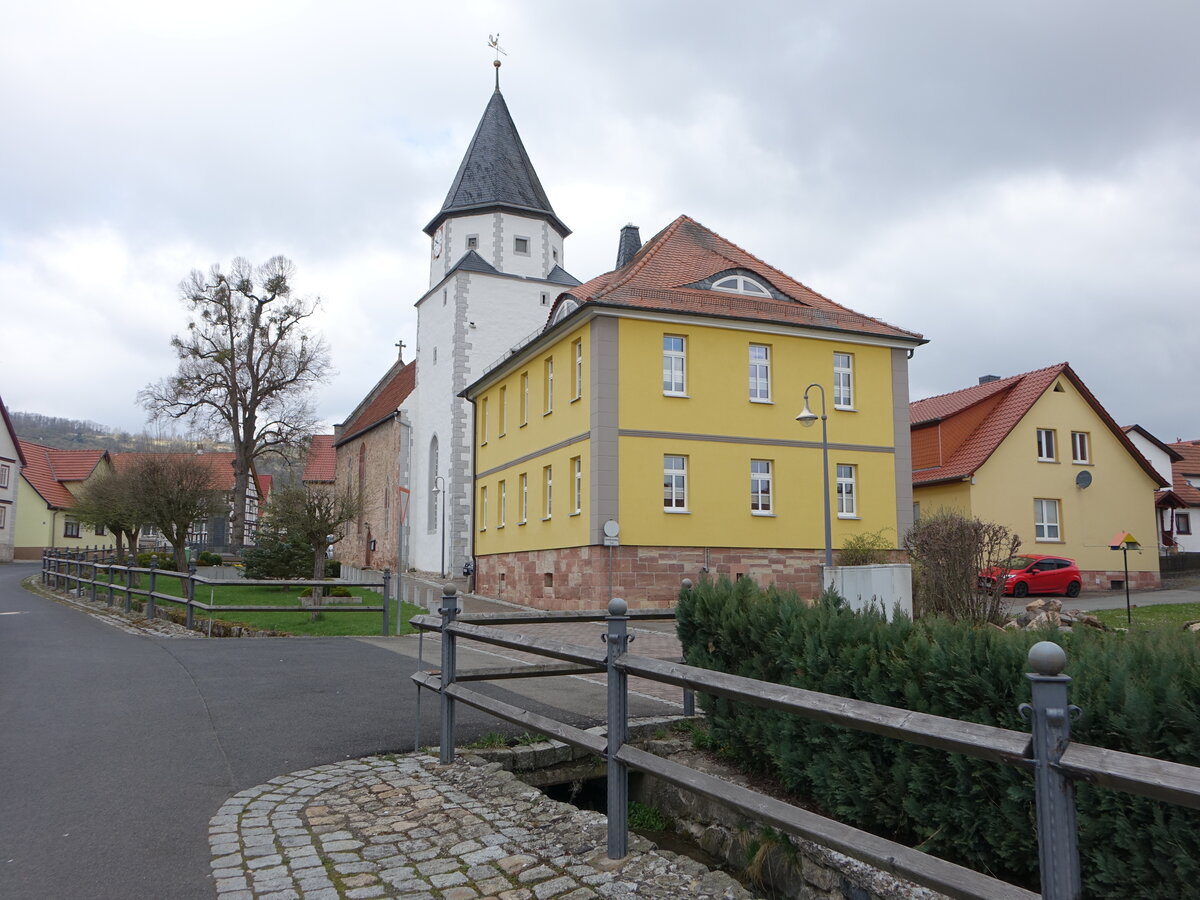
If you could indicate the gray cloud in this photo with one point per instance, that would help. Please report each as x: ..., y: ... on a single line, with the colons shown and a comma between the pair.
x: 1015, y: 180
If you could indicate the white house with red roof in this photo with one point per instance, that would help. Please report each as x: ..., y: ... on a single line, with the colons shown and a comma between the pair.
x: 11, y: 462
x: 1039, y: 454
x: 211, y: 533
x: 1186, y: 485
x: 1167, y: 503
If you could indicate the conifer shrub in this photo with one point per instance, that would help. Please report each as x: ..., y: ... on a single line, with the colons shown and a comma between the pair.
x: 1139, y: 693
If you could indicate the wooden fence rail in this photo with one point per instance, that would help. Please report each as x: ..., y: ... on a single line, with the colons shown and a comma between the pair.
x: 64, y: 570
x: 1048, y: 753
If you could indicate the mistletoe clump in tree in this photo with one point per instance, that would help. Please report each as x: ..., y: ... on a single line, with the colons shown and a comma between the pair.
x: 246, y: 366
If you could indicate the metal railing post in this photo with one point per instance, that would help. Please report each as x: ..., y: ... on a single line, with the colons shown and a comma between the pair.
x: 1058, y: 835
x: 387, y: 595
x: 45, y: 560
x: 112, y: 561
x: 617, y: 638
x: 92, y: 581
x: 191, y: 593
x: 149, y: 609
x: 689, y: 696
x: 449, y: 611
x: 128, y: 584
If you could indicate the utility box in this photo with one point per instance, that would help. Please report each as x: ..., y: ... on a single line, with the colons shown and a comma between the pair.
x: 886, y: 586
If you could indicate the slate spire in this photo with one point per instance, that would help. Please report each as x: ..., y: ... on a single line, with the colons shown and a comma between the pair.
x: 496, y: 173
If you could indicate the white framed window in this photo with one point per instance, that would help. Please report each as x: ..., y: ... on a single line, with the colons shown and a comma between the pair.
x: 70, y: 528
x: 1183, y: 522
x: 483, y: 508
x: 549, y: 383
x: 1046, y: 526
x: 483, y: 423
x: 675, y: 365
x: 847, y: 492
x: 524, y: 399
x: 1045, y: 445
x: 843, y: 381
x: 100, y: 532
x: 503, y: 510
x: 577, y: 483
x: 1081, y: 447
x: 523, y: 500
x: 761, y: 487
x: 3, y: 516
x: 4, y: 476
x: 577, y: 387
x: 760, y: 373
x: 502, y: 413
x: 521, y: 246
x: 741, y: 284
x: 675, y: 483
x: 548, y: 490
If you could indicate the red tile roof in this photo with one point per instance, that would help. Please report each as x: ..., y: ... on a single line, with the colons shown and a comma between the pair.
x: 383, y: 400
x: 685, y: 252
x: 47, y: 468
x: 1189, y: 464
x: 999, y: 405
x: 320, y: 465
x: 265, y: 482
x: 220, y: 464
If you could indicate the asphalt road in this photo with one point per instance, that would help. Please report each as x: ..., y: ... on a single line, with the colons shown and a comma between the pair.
x: 116, y: 749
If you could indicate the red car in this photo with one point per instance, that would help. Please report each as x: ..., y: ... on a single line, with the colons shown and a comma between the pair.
x: 1035, y: 574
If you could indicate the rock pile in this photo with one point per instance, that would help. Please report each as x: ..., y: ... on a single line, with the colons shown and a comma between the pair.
x: 1047, y: 612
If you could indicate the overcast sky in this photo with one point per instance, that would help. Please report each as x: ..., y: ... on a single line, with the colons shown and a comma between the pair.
x: 1018, y: 181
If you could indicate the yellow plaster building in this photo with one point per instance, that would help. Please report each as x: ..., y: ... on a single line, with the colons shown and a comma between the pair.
x: 663, y: 396
x: 50, y: 478
x: 1039, y: 454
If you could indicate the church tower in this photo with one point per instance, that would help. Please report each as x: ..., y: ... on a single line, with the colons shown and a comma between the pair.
x: 495, y: 269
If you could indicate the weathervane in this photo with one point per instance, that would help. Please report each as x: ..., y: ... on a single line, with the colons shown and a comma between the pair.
x: 494, y: 43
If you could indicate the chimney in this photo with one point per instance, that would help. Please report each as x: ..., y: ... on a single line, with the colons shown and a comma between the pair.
x: 631, y: 243
x: 988, y: 379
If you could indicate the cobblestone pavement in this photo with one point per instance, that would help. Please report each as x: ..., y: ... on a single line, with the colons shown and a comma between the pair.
x: 410, y: 829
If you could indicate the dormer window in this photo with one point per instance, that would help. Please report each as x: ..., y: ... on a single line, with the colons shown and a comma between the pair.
x: 741, y: 284
x: 565, y: 308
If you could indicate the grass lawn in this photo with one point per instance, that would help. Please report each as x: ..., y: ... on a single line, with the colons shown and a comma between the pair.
x: 327, y: 623
x: 1163, y: 615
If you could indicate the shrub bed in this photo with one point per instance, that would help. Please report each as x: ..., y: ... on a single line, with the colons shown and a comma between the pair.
x: 1138, y: 693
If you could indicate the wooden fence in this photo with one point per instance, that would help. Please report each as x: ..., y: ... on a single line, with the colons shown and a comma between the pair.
x: 90, y: 571
x: 1055, y: 762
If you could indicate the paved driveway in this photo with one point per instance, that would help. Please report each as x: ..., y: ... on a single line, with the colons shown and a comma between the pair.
x: 116, y: 749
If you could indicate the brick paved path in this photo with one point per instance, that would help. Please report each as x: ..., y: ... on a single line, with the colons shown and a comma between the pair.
x: 410, y: 829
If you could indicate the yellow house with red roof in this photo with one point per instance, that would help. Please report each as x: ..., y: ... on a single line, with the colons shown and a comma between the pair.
x: 663, y: 397
x: 1039, y: 454
x: 50, y: 478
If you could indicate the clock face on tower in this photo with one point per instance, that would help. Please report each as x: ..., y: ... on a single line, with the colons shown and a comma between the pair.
x: 437, y: 243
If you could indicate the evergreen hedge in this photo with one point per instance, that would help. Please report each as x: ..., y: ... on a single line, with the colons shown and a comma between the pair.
x: 1138, y: 692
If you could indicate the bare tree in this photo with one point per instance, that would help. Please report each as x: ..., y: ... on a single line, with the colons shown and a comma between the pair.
x: 246, y: 366
x: 314, y: 515
x: 175, y: 490
x: 112, y: 501
x: 953, y: 559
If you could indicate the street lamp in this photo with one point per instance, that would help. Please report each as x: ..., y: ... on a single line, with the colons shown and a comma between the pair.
x: 806, y: 418
x: 439, y: 487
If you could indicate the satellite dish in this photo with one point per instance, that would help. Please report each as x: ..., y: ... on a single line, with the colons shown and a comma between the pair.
x: 1083, y: 479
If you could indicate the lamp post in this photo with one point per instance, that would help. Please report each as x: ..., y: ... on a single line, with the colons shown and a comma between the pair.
x: 806, y: 418
x: 439, y: 487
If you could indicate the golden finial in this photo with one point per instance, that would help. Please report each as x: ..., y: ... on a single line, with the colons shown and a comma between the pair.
x: 494, y: 43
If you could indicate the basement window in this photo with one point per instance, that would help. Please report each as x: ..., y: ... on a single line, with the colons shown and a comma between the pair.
x: 548, y: 580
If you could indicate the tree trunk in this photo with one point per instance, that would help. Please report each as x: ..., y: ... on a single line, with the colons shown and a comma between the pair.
x: 241, y: 483
x: 318, y: 574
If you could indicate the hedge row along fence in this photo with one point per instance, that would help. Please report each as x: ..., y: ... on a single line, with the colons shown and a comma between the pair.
x: 1138, y: 693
